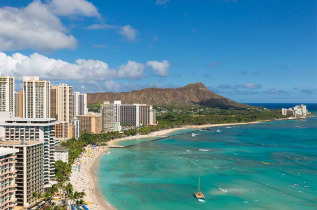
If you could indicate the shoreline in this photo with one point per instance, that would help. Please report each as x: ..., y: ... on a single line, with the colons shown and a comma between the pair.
x: 86, y: 180
x: 161, y: 133
x: 94, y: 195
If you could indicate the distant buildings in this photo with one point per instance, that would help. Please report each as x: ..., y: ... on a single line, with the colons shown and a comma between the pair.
x: 7, y: 94
x: 32, y: 123
x: 36, y: 97
x: 8, y: 176
x: 296, y: 111
x: 126, y: 115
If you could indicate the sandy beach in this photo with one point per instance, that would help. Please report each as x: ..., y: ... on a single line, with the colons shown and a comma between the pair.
x: 85, y: 178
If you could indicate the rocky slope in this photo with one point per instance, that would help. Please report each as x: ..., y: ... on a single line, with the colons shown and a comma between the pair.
x: 191, y: 94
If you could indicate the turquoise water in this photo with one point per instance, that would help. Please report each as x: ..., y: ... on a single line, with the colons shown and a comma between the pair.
x: 232, y: 166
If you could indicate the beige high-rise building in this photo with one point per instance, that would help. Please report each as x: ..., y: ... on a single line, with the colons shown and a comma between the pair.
x: 6, y: 94
x: 19, y: 104
x: 62, y: 103
x: 90, y: 123
x: 36, y: 97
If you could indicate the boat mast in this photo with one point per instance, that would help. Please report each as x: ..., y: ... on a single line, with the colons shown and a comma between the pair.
x: 199, y: 184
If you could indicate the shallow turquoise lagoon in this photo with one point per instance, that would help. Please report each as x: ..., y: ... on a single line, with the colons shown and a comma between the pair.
x: 264, y: 166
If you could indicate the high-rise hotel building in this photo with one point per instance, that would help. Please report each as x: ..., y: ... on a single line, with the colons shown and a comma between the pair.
x: 8, y: 178
x: 6, y: 94
x: 115, y: 115
x: 80, y: 104
x: 36, y: 97
x: 61, y: 102
x: 29, y: 171
x: 110, y: 116
x: 24, y: 130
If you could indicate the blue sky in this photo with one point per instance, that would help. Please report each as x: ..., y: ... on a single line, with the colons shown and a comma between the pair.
x: 247, y: 50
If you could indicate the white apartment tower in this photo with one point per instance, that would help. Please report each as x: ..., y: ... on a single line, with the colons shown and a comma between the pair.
x: 36, y: 97
x: 80, y: 104
x: 7, y: 94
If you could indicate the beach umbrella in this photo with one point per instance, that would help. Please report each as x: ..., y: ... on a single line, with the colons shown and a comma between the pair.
x: 85, y: 207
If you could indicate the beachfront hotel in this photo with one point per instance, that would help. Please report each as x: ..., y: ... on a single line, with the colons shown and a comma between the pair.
x: 7, y: 178
x: 6, y: 94
x: 115, y: 115
x: 110, y: 116
x: 29, y: 171
x: 33, y: 130
x: 297, y: 111
x: 36, y: 97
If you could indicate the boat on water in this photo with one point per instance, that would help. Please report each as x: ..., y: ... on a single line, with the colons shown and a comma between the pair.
x: 198, y: 194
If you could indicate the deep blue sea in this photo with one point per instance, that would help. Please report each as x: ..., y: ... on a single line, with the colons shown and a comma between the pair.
x: 269, y: 165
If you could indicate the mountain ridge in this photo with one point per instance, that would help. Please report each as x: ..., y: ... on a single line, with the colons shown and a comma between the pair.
x: 191, y: 94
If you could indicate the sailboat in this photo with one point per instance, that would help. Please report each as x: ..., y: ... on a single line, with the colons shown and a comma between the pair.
x: 198, y: 194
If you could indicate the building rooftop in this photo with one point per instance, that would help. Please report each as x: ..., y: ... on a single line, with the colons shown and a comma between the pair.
x: 7, y: 151
x: 18, y: 143
x: 60, y: 149
x: 28, y: 121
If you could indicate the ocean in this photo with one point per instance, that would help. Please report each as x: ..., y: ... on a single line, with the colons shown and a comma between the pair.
x: 270, y: 165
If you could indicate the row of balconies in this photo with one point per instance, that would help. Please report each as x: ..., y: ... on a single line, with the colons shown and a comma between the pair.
x: 8, y: 157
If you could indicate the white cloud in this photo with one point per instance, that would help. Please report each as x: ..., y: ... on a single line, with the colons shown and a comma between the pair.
x: 161, y: 2
x: 73, y: 7
x: 35, y: 27
x: 160, y: 68
x: 252, y: 86
x: 112, y: 86
x: 128, y: 32
x: 38, y: 25
x: 101, y: 26
x: 131, y: 70
x: 19, y: 65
